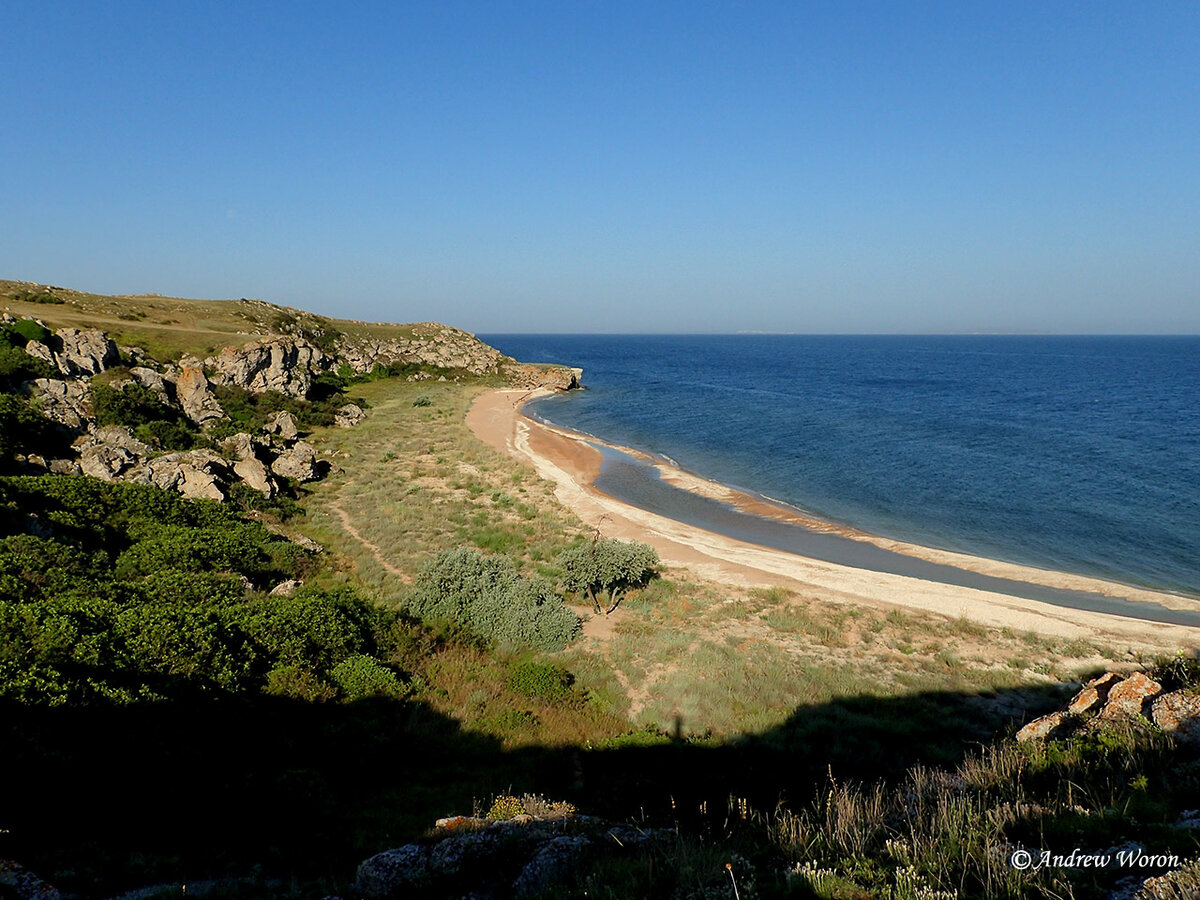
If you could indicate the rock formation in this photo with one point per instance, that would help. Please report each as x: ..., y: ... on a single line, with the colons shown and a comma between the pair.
x: 196, y: 397
x: 1109, y: 699
x: 284, y: 365
x: 77, y: 353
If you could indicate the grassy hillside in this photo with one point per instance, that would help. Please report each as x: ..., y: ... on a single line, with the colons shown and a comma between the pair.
x: 167, y: 327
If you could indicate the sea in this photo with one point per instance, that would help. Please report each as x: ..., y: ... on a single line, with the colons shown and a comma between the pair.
x: 1077, y: 454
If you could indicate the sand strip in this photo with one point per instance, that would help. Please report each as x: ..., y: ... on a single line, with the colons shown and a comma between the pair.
x: 572, y: 465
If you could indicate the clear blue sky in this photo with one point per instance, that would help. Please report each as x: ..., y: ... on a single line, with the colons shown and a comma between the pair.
x: 613, y: 166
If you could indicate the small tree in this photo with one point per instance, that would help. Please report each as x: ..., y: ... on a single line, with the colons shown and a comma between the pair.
x: 607, y: 567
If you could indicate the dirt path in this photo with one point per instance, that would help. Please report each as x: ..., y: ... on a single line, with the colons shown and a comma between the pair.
x: 374, y: 548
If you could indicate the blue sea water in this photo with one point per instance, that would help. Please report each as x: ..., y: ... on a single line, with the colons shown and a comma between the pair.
x: 1080, y: 454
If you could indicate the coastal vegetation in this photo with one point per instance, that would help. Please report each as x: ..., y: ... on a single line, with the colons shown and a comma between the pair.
x: 273, y: 691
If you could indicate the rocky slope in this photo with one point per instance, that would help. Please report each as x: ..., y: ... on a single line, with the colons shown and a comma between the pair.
x: 288, y: 365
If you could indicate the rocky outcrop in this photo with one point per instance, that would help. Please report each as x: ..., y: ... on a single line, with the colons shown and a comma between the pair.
x: 298, y: 462
x: 349, y: 416
x: 196, y: 397
x: 196, y: 474
x: 251, y: 465
x: 77, y: 353
x: 521, y: 857
x: 284, y: 365
x: 153, y: 382
x: 23, y: 884
x: 1110, y: 699
x: 437, y: 346
x: 282, y: 424
x: 69, y: 403
x: 111, y: 453
x: 530, y: 377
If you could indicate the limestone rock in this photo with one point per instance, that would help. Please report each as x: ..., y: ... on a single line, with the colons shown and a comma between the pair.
x: 349, y: 416
x: 298, y: 462
x: 1095, y: 692
x: 529, y: 377
x: 284, y: 365
x: 196, y: 397
x: 111, y: 453
x: 282, y: 424
x: 1178, y: 712
x: 77, y: 353
x: 1127, y: 698
x: 286, y: 588
x: 38, y: 350
x: 196, y: 474
x: 254, y: 473
x: 153, y: 382
x: 549, y: 865
x: 1041, y: 728
x: 66, y: 402
x: 430, y: 345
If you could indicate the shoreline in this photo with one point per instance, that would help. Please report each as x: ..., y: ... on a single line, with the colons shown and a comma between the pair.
x: 573, y: 461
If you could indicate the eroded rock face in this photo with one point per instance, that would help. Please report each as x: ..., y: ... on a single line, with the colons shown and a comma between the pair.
x: 69, y: 403
x: 196, y: 397
x: 349, y: 416
x: 284, y: 365
x: 554, y: 378
x: 77, y: 353
x: 447, y: 348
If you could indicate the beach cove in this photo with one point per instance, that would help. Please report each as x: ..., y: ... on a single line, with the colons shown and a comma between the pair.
x: 988, y: 591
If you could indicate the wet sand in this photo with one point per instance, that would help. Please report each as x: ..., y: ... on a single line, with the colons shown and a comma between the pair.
x: 895, y: 574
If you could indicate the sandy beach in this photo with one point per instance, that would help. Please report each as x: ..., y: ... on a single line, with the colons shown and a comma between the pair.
x: 572, y: 464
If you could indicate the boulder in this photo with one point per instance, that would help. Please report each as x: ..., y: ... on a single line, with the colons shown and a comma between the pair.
x: 1095, y: 692
x: 284, y: 365
x: 282, y: 424
x: 1128, y: 697
x: 298, y: 462
x: 255, y: 475
x: 1179, y: 713
x: 349, y: 416
x: 1041, y: 728
x: 66, y: 402
x: 286, y: 588
x: 195, y: 396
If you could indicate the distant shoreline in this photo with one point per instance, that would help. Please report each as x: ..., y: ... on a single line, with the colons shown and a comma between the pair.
x: 574, y: 462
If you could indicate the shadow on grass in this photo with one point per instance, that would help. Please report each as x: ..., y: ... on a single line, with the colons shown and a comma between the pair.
x: 101, y: 800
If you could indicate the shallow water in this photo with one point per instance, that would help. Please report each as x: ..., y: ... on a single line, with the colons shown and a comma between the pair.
x: 1080, y: 454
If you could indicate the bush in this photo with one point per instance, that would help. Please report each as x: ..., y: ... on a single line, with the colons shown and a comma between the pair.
x: 23, y: 430
x: 360, y: 676
x: 422, y: 400
x: 607, y: 566
x: 487, y: 595
x: 541, y: 681
x: 22, y: 332
x: 17, y: 367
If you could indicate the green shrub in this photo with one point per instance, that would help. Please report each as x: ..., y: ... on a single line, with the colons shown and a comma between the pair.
x: 17, y: 366
x: 541, y: 681
x: 361, y: 676
x: 298, y: 683
x: 422, y: 400
x: 487, y: 595
x: 26, y: 330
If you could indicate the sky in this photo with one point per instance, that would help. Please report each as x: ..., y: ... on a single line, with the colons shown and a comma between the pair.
x: 812, y: 167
